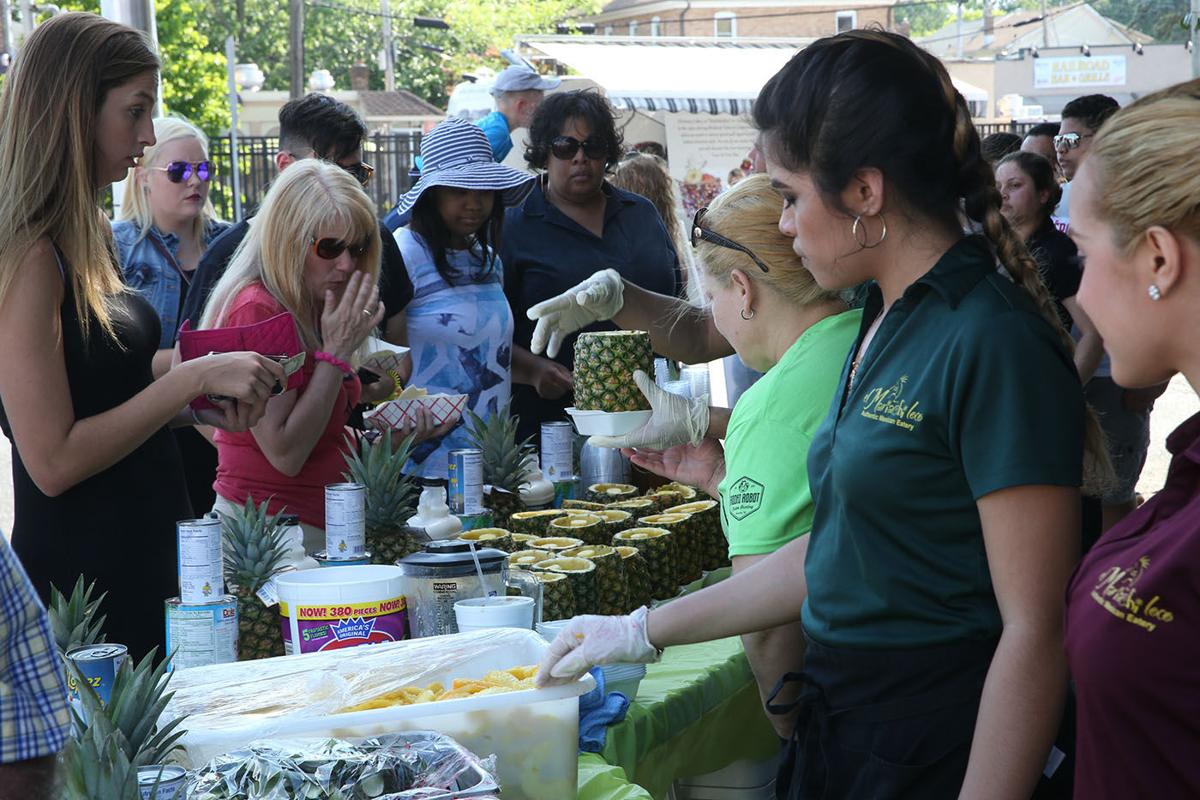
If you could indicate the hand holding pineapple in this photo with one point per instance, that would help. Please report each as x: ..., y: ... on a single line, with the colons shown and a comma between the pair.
x: 591, y: 640
x: 676, y: 420
x: 596, y: 299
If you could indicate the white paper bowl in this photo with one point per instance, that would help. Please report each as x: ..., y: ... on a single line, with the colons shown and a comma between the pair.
x: 395, y: 413
x: 608, y: 423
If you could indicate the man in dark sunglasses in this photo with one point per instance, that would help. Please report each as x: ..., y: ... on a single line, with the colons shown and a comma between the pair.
x: 314, y: 126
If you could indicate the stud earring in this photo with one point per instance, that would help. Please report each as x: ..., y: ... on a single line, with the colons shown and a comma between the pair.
x: 1154, y: 292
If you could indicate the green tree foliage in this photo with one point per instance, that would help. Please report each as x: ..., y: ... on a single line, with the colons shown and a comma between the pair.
x: 193, y: 75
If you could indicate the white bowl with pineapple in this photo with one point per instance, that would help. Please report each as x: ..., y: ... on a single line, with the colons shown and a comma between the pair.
x: 607, y: 401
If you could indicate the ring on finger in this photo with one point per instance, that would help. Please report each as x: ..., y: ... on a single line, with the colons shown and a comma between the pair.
x: 367, y: 312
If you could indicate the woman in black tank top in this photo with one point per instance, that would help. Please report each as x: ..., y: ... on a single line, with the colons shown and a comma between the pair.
x: 98, y: 480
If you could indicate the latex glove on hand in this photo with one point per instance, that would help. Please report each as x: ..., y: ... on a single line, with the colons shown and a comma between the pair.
x: 591, y: 640
x: 676, y: 420
x: 596, y: 299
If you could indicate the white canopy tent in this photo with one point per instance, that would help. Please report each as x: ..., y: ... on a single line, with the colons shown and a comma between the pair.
x: 696, y: 76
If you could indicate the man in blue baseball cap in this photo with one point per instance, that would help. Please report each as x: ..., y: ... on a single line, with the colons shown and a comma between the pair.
x: 518, y: 91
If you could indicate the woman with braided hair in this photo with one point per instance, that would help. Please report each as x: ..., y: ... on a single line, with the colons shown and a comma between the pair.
x: 946, y: 475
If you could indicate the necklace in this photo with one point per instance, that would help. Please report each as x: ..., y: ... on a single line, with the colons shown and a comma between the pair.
x: 862, y: 347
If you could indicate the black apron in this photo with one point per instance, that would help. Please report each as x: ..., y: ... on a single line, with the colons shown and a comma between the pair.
x: 882, y: 724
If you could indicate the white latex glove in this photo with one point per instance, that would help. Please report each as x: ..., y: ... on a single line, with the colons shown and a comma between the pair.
x: 596, y: 299
x: 676, y: 420
x: 590, y: 640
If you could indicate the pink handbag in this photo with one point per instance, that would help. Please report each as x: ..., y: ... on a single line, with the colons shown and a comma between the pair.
x: 275, y: 337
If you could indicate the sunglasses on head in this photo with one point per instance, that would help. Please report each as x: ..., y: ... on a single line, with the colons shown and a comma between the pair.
x: 180, y: 171
x: 362, y: 172
x: 703, y: 234
x: 1069, y: 141
x: 565, y: 147
x: 331, y: 248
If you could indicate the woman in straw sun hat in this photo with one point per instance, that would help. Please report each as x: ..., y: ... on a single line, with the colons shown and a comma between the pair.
x: 458, y: 324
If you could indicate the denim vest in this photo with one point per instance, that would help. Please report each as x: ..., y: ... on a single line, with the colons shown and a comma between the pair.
x: 148, y: 271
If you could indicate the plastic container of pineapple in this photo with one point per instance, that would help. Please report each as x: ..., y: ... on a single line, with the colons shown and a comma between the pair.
x: 533, y: 733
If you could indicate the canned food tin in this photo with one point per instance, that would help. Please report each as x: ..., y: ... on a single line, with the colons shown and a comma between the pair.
x: 168, y: 778
x: 97, y: 664
x: 558, y: 450
x: 345, y: 520
x: 472, y: 522
x: 199, y: 546
x: 565, y: 489
x: 202, y: 634
x: 466, y: 482
x: 325, y: 561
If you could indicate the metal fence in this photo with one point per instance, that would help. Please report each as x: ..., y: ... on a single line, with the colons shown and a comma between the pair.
x: 1019, y: 128
x: 391, y: 155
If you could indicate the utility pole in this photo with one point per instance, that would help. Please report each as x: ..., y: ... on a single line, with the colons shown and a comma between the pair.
x: 231, y: 79
x: 296, y: 46
x: 1192, y: 27
x: 1045, y: 27
x: 6, y: 36
x: 389, y: 48
x: 958, y: 29
x: 27, y: 17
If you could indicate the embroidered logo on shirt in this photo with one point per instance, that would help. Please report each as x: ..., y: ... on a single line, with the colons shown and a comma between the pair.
x: 887, y: 405
x: 1116, y: 592
x: 745, y: 497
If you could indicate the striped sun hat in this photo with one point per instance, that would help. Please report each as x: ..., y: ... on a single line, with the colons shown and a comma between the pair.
x: 456, y: 153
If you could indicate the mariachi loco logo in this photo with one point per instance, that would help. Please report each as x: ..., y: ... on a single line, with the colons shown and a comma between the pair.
x: 745, y: 497
x: 889, y: 406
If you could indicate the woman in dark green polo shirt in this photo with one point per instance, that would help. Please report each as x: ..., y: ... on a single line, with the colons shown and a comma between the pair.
x: 946, y: 475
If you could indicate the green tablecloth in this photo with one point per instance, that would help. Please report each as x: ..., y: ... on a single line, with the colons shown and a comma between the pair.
x: 697, y: 711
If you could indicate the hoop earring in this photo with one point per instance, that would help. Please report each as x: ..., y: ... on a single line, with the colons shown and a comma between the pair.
x: 746, y: 317
x: 862, y: 243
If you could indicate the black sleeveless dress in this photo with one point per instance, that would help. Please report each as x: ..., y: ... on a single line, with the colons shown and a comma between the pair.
x: 117, y: 527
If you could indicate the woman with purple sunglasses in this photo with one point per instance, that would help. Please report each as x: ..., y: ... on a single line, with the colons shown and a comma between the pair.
x: 165, y: 224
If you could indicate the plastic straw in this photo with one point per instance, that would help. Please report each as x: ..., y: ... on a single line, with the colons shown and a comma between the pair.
x: 479, y: 572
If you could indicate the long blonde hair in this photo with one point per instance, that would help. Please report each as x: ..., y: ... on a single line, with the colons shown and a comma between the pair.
x: 308, y: 196
x: 1141, y: 159
x: 136, y: 205
x: 48, y: 132
x: 749, y: 215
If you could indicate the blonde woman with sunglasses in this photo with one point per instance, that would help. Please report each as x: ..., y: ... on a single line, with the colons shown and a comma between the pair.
x: 311, y: 251
x: 166, y: 223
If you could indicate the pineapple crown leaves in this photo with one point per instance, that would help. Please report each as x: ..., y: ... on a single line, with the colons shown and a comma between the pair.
x: 97, y: 768
x: 255, y: 546
x: 391, y: 494
x: 503, y: 462
x: 73, y: 621
x: 139, y: 696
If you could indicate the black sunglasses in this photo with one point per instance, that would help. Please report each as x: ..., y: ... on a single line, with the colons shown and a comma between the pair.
x: 329, y: 249
x: 180, y: 171
x: 701, y: 233
x: 362, y: 172
x: 565, y: 147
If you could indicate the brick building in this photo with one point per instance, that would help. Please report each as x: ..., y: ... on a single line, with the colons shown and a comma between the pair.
x: 808, y: 19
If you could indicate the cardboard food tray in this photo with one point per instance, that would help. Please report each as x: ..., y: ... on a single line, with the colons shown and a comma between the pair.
x: 397, y: 413
x: 533, y: 733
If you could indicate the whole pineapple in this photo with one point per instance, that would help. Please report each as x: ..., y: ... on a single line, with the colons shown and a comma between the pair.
x: 503, y: 461
x: 73, y: 621
x: 391, y: 496
x: 254, y: 550
x: 604, y: 367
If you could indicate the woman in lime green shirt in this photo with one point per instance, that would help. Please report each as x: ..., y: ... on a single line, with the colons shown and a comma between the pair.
x: 759, y: 298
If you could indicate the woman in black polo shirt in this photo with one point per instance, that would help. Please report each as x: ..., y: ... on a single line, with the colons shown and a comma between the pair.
x: 946, y: 475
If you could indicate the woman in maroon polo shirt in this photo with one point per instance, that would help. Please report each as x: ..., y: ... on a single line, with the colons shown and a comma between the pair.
x: 1133, y: 606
